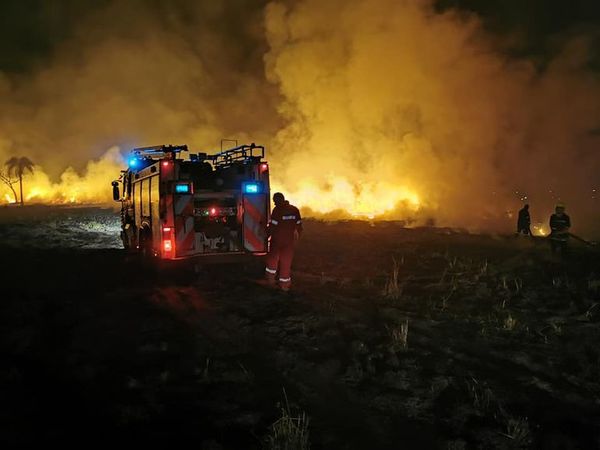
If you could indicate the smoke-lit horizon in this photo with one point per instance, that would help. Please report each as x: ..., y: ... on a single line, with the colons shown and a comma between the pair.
x: 386, y: 108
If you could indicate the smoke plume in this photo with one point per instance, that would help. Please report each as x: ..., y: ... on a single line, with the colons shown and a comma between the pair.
x: 137, y: 73
x: 391, y: 93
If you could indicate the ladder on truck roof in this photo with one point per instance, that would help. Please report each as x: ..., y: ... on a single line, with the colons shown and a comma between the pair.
x: 159, y: 151
x: 241, y: 153
x: 222, y: 159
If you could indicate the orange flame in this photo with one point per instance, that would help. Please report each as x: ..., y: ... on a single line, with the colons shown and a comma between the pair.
x: 341, y: 197
x: 338, y: 197
x: 93, y: 187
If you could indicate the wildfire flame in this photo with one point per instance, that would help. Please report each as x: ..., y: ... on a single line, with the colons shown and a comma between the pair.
x: 337, y: 197
x: 540, y: 229
x: 362, y: 199
x: 93, y: 187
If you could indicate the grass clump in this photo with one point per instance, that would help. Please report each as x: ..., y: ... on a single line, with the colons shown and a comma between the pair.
x: 393, y: 287
x: 482, y: 397
x: 517, y: 430
x: 288, y: 432
x: 510, y: 323
x: 399, y: 336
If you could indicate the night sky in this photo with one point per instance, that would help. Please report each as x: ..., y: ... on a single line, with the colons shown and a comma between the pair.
x: 29, y: 29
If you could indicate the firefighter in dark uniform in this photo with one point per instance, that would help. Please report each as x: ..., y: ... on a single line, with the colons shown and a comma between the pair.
x: 285, y: 229
x: 524, y: 221
x: 560, y: 223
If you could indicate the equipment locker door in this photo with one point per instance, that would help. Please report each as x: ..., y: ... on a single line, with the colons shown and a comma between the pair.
x: 255, y: 218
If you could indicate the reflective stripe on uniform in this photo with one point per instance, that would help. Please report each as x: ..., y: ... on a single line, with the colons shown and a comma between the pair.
x: 274, y: 222
x: 292, y: 217
x: 298, y: 222
x: 285, y: 280
x: 271, y: 271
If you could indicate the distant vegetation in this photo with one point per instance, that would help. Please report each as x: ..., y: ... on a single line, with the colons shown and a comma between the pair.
x: 16, y: 168
x: 9, y: 182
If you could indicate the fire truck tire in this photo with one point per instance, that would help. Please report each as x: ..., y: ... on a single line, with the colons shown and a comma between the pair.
x: 125, y: 241
x: 146, y: 250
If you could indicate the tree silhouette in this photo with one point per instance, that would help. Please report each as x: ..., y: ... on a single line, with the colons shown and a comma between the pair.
x: 18, y: 167
x: 9, y: 182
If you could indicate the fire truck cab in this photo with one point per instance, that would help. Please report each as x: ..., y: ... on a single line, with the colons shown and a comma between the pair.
x: 201, y: 206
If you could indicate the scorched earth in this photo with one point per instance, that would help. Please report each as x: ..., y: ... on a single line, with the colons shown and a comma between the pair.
x: 393, y: 338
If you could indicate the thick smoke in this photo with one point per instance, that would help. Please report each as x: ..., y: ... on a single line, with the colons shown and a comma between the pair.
x: 136, y: 73
x: 390, y: 92
x: 368, y: 106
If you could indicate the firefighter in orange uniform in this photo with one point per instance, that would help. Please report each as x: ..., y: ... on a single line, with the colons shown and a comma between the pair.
x: 284, y: 228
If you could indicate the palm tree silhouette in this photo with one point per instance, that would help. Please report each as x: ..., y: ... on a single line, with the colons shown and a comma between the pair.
x: 18, y: 167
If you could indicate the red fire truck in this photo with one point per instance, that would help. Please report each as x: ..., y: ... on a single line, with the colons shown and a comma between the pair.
x: 203, y: 205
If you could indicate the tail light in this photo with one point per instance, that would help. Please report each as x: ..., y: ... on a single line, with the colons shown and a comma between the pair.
x: 167, y: 242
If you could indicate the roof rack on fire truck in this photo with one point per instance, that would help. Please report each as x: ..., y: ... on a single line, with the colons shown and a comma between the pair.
x: 241, y: 153
x: 159, y: 151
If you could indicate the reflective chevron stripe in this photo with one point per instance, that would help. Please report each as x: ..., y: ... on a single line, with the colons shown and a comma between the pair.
x: 255, y: 218
x: 185, y: 236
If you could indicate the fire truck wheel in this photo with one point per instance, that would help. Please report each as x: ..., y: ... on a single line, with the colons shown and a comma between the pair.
x: 146, y: 250
x: 125, y: 241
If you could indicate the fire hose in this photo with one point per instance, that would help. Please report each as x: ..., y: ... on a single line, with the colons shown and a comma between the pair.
x: 580, y: 239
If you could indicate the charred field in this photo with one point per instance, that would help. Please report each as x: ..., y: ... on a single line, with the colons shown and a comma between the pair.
x: 392, y: 338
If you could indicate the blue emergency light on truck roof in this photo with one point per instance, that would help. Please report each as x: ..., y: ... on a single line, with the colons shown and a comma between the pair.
x: 251, y: 188
x: 133, y: 162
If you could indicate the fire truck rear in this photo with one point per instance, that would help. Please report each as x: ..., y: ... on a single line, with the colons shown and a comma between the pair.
x: 202, y: 206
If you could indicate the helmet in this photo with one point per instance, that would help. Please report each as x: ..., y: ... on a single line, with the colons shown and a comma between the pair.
x: 560, y: 205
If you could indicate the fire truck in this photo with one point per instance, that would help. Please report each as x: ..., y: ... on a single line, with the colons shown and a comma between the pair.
x: 204, y: 205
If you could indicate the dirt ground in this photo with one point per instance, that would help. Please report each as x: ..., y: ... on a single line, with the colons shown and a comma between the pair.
x: 392, y: 338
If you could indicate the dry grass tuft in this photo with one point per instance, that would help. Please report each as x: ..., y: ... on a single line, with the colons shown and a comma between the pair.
x: 393, y: 287
x: 482, y: 397
x: 593, y: 284
x: 399, y: 336
x: 510, y: 323
x: 517, y: 429
x: 288, y: 432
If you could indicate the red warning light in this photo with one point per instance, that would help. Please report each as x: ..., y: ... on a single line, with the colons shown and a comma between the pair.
x: 165, y: 163
x: 167, y: 245
x: 264, y: 167
x: 213, y: 211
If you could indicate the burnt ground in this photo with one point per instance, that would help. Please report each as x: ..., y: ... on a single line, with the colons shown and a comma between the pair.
x: 393, y: 338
